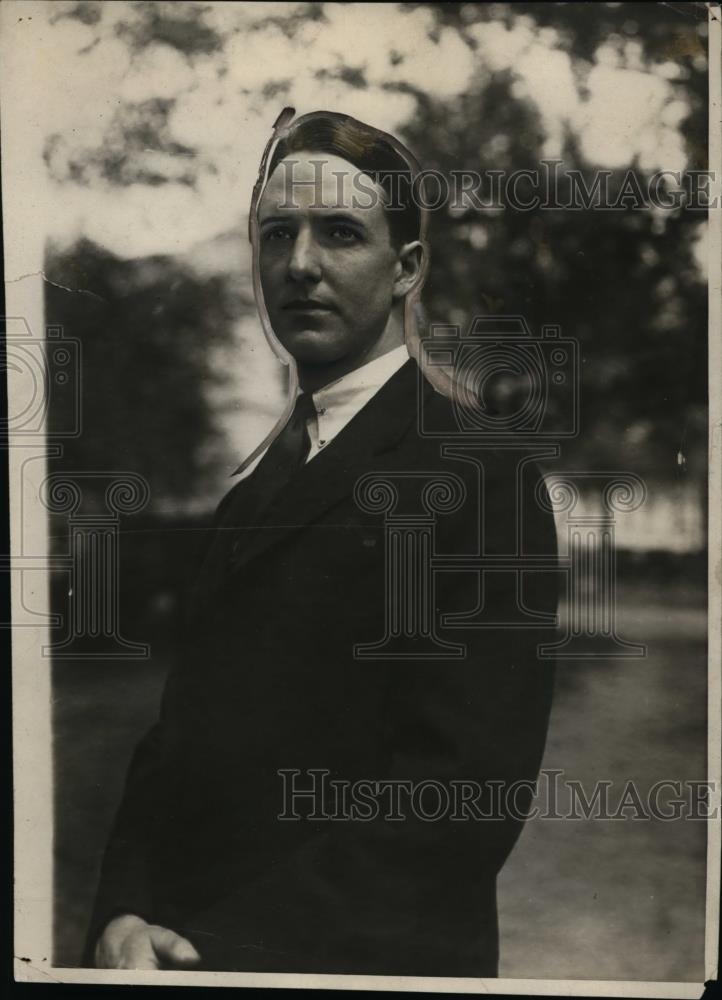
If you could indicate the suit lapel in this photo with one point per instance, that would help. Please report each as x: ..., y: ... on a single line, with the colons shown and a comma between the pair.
x: 332, y: 474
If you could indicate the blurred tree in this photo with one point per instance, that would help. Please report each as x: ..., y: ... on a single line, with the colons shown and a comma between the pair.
x: 624, y: 283
x: 627, y: 284
x: 147, y: 329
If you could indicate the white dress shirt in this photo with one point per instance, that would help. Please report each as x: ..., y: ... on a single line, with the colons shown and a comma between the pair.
x: 338, y: 402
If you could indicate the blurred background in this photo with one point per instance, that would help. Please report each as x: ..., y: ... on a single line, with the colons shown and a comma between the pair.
x: 151, y: 138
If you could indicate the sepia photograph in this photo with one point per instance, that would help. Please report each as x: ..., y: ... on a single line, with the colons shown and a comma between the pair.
x: 363, y: 435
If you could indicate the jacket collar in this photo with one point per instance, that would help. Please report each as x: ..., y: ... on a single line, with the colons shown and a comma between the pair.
x: 332, y: 474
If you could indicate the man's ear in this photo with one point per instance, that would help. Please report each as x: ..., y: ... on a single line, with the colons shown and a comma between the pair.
x: 409, y: 268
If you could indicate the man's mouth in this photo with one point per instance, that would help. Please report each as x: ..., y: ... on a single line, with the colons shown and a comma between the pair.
x: 307, y: 306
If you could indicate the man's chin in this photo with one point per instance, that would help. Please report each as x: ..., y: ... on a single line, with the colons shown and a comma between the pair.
x: 313, y: 347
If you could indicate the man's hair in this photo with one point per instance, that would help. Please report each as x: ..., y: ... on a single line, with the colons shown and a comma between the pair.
x: 373, y: 152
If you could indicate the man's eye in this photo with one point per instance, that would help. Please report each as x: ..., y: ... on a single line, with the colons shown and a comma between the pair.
x: 281, y: 233
x: 344, y: 233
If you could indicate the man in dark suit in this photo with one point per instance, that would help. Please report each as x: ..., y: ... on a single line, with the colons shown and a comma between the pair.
x: 206, y: 865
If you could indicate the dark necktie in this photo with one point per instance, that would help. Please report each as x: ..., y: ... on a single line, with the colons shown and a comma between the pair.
x: 244, y: 507
x: 286, y: 454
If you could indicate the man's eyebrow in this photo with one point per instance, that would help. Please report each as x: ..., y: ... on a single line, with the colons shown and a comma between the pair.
x: 327, y: 215
x: 343, y: 216
x: 275, y: 218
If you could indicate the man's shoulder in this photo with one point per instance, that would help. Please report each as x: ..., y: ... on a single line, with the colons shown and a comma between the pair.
x: 442, y: 435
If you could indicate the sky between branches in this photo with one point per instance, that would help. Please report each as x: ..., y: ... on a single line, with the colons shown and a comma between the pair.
x: 153, y: 117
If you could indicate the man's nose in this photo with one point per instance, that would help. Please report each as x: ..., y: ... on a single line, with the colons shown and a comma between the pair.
x: 304, y: 263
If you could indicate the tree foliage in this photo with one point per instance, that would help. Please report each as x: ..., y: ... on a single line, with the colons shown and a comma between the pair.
x: 626, y: 284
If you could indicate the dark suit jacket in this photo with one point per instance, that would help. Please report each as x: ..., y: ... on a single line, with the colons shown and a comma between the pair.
x: 268, y: 680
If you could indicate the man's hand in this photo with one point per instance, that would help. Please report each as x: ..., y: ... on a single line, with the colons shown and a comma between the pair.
x: 128, y: 942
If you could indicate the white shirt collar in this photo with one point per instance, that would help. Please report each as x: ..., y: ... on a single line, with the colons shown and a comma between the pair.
x: 337, y: 403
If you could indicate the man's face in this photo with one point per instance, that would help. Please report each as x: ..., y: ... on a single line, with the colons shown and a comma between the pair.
x: 327, y: 273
